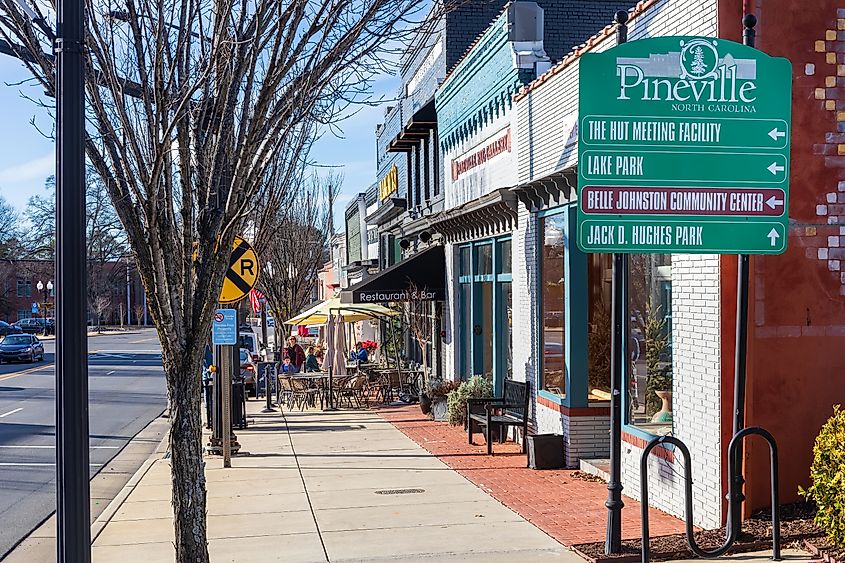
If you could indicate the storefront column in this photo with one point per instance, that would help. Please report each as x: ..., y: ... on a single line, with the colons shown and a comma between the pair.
x: 577, y: 318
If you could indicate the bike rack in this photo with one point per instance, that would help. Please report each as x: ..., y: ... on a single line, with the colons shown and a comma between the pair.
x: 734, y: 519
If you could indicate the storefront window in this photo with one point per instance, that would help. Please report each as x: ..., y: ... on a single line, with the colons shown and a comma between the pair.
x: 483, y: 260
x: 507, y: 323
x: 466, y: 331
x: 485, y: 308
x: 599, y: 278
x: 649, y: 397
x: 465, y: 266
x: 553, y: 305
x: 504, y: 264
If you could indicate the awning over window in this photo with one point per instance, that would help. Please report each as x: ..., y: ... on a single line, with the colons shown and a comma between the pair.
x: 426, y: 271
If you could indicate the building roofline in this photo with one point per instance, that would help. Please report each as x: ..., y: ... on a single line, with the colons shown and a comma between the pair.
x: 585, y: 47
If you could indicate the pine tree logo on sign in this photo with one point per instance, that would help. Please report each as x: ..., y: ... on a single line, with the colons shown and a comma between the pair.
x: 698, y: 59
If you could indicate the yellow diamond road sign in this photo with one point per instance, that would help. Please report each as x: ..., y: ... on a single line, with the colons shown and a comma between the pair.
x: 242, y: 273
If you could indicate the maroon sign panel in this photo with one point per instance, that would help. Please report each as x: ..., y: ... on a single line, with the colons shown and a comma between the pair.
x: 616, y: 200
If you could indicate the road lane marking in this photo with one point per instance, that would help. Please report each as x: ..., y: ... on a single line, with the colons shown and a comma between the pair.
x: 48, y: 447
x: 32, y: 464
x: 154, y: 339
x: 4, y: 415
x: 6, y: 376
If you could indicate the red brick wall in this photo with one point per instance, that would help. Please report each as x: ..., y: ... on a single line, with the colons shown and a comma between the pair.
x: 797, y: 315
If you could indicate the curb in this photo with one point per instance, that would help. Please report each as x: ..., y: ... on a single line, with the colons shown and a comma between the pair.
x: 106, y: 515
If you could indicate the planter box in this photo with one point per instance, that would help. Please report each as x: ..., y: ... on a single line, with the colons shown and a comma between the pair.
x: 545, y: 451
x: 438, y: 409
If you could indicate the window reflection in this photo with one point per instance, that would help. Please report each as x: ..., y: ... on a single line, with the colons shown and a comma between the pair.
x: 599, y: 279
x: 552, y: 290
x: 483, y: 260
x: 650, y: 345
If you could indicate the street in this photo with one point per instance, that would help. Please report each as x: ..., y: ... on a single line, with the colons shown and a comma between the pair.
x: 126, y: 391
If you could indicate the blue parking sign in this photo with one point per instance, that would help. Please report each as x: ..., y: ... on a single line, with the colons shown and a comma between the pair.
x: 224, y: 328
x: 35, y: 307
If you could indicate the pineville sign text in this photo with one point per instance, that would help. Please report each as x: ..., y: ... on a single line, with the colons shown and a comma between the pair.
x: 684, y: 147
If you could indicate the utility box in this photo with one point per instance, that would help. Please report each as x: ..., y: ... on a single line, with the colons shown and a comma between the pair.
x: 545, y: 451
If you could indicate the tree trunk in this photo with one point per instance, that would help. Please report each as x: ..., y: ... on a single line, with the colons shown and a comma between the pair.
x: 189, y: 491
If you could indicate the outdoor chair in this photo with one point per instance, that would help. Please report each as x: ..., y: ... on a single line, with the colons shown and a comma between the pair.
x: 284, y: 390
x: 354, y: 391
x: 393, y: 382
x: 303, y: 395
x: 339, y: 382
x: 511, y: 409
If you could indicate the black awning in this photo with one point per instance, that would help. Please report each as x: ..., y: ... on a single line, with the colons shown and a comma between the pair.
x: 426, y: 270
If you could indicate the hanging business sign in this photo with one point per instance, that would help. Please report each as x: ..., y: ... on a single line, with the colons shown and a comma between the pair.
x: 389, y: 185
x: 684, y: 148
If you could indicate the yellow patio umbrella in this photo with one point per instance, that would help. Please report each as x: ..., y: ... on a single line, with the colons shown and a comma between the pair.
x: 344, y: 312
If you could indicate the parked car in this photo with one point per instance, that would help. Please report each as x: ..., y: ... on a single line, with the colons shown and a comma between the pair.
x: 249, y: 340
x: 21, y: 347
x: 248, y: 372
x: 6, y: 328
x: 37, y: 325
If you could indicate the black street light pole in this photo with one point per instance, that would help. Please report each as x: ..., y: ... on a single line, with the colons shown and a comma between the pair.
x: 72, y: 462
x: 619, y: 360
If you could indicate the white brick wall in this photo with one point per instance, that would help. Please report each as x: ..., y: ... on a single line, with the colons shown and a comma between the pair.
x: 450, y: 321
x: 583, y: 436
x: 525, y: 310
x: 696, y: 397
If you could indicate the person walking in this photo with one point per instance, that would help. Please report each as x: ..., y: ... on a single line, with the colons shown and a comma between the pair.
x: 296, y: 354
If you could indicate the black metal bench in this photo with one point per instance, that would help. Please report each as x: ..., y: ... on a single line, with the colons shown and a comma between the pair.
x: 511, y: 409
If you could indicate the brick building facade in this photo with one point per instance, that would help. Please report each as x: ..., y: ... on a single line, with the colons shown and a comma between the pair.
x: 118, y: 287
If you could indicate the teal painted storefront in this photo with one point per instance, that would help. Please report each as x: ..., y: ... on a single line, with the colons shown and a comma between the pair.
x: 484, y: 305
x: 575, y: 309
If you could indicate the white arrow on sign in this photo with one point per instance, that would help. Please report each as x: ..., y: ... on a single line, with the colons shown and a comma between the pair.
x: 774, y: 168
x: 774, y: 202
x: 775, y: 134
x: 773, y: 236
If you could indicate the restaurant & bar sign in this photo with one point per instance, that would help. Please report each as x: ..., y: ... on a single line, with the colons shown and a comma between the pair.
x: 683, y: 148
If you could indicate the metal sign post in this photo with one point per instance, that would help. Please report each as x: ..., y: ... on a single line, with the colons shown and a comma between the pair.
x: 226, y: 388
x: 241, y: 277
x: 224, y: 337
x: 73, y: 472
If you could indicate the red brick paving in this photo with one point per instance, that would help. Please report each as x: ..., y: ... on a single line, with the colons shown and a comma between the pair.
x: 570, y: 510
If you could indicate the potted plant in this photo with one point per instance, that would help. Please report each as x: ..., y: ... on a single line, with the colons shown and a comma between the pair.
x: 437, y: 392
x: 476, y: 387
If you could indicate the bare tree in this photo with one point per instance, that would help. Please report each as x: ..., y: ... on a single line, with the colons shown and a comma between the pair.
x: 417, y: 316
x: 101, y: 306
x: 188, y: 104
x: 9, y: 224
x: 295, y: 239
x: 139, y: 313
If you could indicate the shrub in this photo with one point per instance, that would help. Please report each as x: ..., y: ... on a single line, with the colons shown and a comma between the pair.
x: 439, y: 388
x: 477, y: 387
x: 827, y: 477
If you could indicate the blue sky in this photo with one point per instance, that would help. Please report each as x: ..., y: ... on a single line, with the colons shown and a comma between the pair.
x: 27, y: 157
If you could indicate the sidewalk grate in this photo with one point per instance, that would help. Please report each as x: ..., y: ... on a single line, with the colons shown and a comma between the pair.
x: 400, y: 491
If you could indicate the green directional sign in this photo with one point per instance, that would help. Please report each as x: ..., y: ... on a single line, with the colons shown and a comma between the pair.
x: 683, y: 147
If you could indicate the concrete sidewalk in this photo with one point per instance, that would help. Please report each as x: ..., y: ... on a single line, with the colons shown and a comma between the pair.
x: 339, y: 486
